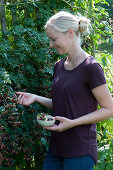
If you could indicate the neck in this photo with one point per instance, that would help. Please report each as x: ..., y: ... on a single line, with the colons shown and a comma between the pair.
x: 77, y: 54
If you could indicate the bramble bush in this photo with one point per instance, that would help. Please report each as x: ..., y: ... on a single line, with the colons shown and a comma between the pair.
x: 22, y: 142
x: 28, y: 67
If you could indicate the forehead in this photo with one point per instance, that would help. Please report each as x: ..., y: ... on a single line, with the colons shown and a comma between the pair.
x: 51, y: 32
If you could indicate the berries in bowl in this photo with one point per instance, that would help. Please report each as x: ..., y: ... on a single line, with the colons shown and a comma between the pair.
x: 45, y: 120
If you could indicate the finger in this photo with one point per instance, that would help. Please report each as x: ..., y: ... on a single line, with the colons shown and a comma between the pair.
x: 15, y: 97
x: 19, y: 93
x: 57, y: 129
x: 59, y: 118
x: 22, y: 100
x: 18, y: 99
x: 52, y: 128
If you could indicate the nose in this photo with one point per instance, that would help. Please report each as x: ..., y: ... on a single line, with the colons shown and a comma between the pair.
x: 51, y: 44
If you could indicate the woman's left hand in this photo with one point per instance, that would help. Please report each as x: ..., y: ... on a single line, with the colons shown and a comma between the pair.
x: 64, y: 124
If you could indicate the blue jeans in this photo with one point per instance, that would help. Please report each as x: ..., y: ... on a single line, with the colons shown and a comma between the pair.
x: 57, y: 163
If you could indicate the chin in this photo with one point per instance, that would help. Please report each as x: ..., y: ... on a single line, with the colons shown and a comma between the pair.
x: 61, y: 52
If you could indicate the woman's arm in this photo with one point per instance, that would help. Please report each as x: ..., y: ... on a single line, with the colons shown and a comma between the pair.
x: 28, y: 98
x: 105, y: 101
x: 44, y: 101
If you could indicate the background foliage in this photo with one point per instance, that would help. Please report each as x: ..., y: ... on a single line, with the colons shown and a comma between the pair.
x: 27, y: 65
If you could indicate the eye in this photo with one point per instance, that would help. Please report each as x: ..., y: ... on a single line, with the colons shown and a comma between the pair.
x: 53, y: 39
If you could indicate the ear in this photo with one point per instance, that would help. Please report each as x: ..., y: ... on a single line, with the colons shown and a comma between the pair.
x: 71, y: 33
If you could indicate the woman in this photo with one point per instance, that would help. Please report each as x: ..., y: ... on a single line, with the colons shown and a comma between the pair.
x: 78, y: 87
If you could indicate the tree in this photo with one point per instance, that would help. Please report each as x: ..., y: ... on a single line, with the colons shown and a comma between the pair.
x: 3, y: 18
x: 14, y: 13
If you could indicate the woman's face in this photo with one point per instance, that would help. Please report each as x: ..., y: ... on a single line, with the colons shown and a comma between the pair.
x: 58, y: 40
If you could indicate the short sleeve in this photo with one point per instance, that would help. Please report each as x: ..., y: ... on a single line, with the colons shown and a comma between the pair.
x: 95, y: 75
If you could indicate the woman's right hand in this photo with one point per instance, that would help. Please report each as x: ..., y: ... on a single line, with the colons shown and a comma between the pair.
x: 25, y: 98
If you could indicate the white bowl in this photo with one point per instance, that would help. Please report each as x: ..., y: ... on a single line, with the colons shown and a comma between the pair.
x: 45, y: 122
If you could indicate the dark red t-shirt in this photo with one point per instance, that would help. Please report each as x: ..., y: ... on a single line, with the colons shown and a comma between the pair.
x: 72, y: 98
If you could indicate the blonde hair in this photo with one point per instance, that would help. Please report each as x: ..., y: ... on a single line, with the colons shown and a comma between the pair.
x: 62, y: 21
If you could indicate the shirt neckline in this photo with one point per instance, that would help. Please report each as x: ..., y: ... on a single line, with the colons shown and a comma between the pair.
x: 76, y: 66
